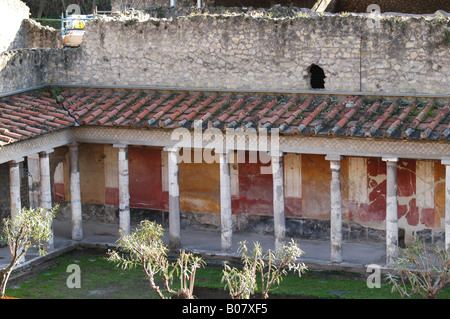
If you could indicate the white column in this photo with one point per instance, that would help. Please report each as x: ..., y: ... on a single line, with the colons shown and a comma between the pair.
x: 124, y: 190
x: 75, y: 194
x: 225, y: 203
x: 336, y: 209
x: 174, y: 198
x: 391, y: 210
x: 33, y: 180
x: 14, y: 187
x: 278, y: 199
x: 447, y: 203
x: 46, y: 190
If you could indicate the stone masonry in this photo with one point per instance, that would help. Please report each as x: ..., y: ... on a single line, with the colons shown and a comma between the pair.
x: 240, y: 51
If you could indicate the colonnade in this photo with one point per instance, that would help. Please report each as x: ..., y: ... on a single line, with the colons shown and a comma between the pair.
x: 225, y: 199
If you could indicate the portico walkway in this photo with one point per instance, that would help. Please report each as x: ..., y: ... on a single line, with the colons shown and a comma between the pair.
x: 356, y: 256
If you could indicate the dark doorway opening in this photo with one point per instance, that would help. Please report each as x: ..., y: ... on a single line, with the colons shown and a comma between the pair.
x: 317, y: 77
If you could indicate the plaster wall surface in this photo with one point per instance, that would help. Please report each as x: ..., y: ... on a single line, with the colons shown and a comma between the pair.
x: 421, y: 198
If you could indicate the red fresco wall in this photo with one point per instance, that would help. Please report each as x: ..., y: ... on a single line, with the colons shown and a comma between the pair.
x: 406, y: 187
x: 145, y: 177
x: 200, y: 187
x: 375, y: 210
x: 256, y: 192
x: 111, y: 196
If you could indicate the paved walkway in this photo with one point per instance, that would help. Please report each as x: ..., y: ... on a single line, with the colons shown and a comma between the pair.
x: 356, y: 256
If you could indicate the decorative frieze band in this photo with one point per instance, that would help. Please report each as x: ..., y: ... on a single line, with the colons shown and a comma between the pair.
x: 237, y: 140
x: 325, y: 145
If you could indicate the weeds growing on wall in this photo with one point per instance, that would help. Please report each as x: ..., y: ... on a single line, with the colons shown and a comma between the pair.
x: 446, y: 39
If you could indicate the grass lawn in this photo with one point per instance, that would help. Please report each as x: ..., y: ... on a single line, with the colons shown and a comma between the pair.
x: 103, y: 280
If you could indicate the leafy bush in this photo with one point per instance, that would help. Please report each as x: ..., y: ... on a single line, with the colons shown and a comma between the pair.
x: 271, y: 266
x: 144, y: 248
x: 29, y: 228
x: 419, y: 271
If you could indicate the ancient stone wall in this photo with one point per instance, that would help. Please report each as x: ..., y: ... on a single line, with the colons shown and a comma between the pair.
x: 398, y: 55
x: 17, y: 31
x: 12, y: 12
x: 395, y: 54
x: 35, y: 35
x: 27, y: 68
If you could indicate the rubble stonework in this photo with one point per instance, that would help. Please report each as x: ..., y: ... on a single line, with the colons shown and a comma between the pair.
x: 403, y: 54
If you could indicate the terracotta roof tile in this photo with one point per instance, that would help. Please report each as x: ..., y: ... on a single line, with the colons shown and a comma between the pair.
x: 146, y: 109
x: 216, y: 107
x: 27, y: 115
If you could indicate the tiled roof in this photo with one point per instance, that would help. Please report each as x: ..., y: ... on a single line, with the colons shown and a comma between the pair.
x: 27, y: 115
x: 34, y: 113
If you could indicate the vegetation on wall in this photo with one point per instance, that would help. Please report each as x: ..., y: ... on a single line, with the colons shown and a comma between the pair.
x: 54, y: 8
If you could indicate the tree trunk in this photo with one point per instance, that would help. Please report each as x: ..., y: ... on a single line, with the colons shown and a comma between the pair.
x: 41, y: 8
x: 4, y: 276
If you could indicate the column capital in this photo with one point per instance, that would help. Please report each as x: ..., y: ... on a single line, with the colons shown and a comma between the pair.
x: 225, y: 151
x: 16, y: 160
x: 46, y: 152
x: 390, y: 159
x: 445, y: 161
x: 276, y: 153
x: 171, y: 149
x: 334, y: 157
x: 120, y: 145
